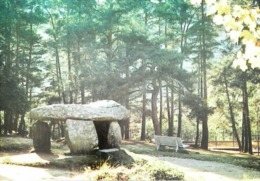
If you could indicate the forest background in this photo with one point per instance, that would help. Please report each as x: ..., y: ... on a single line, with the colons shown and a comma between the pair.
x: 165, y: 61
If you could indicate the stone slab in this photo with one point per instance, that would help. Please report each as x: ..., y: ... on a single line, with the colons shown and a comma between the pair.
x: 106, y: 110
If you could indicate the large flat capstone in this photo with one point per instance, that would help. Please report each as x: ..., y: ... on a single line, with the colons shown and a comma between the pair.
x: 107, y: 110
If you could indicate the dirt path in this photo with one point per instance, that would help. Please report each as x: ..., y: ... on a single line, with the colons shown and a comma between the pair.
x: 17, y: 173
x: 197, y: 170
x: 194, y: 170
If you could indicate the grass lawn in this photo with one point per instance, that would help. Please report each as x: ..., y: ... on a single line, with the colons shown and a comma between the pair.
x: 239, y: 159
x: 121, y: 166
x: 124, y: 165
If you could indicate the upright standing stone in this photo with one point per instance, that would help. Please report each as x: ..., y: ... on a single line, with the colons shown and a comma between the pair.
x: 81, y: 136
x: 114, y: 136
x: 41, y: 135
x: 87, y: 125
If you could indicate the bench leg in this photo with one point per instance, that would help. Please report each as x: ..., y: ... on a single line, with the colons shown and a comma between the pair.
x: 158, y: 147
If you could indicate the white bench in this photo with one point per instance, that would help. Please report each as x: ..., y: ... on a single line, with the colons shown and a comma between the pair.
x: 169, y: 141
x: 108, y: 153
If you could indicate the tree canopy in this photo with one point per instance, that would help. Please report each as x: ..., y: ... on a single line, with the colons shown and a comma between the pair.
x: 163, y: 60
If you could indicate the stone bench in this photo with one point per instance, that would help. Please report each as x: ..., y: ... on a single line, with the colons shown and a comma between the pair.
x: 170, y: 141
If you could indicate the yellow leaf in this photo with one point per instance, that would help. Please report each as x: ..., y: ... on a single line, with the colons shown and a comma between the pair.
x: 247, y: 36
x: 239, y: 13
x: 249, y: 21
x: 223, y: 9
x: 231, y: 24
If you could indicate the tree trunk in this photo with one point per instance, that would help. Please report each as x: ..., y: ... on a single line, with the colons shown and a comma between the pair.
x: 143, y: 130
x: 82, y: 92
x: 0, y: 122
x: 180, y: 112
x: 197, y: 132
x: 155, y: 93
x: 169, y: 112
x: 21, y: 129
x: 28, y: 64
x: 204, y: 141
x: 246, y: 119
x: 61, y: 92
x: 233, y: 122
x: 244, y: 133
x: 5, y: 122
x: 69, y: 68
x: 15, y: 122
x: 8, y: 122
x: 172, y: 111
x: 126, y: 97
x: 161, y: 105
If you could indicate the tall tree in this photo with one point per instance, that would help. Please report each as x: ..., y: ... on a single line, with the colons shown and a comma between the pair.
x: 224, y: 80
x: 54, y: 32
x: 204, y: 141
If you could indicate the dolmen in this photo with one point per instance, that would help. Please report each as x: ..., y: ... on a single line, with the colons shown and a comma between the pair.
x: 88, y: 126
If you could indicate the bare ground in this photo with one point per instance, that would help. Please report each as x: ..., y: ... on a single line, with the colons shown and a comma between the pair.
x: 197, y: 170
x: 193, y: 169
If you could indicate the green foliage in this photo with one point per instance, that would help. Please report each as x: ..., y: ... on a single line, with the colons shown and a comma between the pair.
x: 20, y: 53
x: 197, y: 105
x: 83, y: 51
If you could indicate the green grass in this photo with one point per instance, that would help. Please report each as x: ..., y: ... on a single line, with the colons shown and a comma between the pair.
x: 243, y: 160
x: 15, y: 144
x: 140, y: 170
x: 125, y: 164
x: 122, y: 165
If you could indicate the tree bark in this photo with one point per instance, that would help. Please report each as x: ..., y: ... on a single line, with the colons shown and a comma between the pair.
x: 21, y: 129
x: 246, y: 120
x: 143, y: 129
x: 197, y: 132
x: 126, y: 97
x: 69, y: 68
x: 61, y: 92
x: 161, y: 105
x: 155, y: 93
x: 233, y: 122
x: 169, y: 112
x: 204, y: 141
x: 180, y: 112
